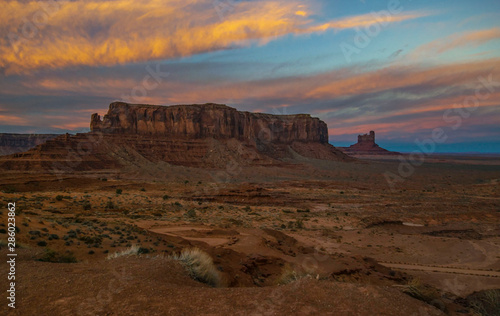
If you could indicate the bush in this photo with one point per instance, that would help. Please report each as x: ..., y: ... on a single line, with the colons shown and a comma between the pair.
x: 42, y: 243
x: 200, y: 266
x: 59, y: 197
x: 299, y: 224
x: 110, y: 205
x: 86, y: 205
x: 9, y: 189
x: 289, y: 275
x: 143, y: 190
x: 486, y: 302
x: 191, y: 213
x: 131, y: 251
x: 52, y: 256
x: 416, y: 289
x: 119, y: 191
x: 143, y: 250
x: 166, y: 197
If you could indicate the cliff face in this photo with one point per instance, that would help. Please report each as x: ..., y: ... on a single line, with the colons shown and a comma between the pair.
x: 16, y: 143
x: 366, y: 146
x: 138, y: 137
x: 209, y: 121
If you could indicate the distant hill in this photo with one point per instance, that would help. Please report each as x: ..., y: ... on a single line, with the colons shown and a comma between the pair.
x: 16, y: 143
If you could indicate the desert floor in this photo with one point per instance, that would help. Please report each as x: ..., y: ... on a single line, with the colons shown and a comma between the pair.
x: 318, y: 238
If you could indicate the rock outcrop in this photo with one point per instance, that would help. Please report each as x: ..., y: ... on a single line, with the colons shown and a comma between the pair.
x: 205, y: 136
x: 16, y: 143
x: 366, y: 146
x: 208, y: 121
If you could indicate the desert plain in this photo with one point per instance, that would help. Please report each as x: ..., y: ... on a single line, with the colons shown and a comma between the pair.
x: 315, y: 237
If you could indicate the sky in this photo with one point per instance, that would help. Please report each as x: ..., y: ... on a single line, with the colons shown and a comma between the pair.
x: 409, y: 70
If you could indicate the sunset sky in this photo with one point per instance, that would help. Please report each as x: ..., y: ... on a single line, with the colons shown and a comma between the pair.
x: 400, y: 68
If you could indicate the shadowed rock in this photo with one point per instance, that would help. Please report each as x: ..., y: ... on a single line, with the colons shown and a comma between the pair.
x: 366, y: 146
x: 206, y: 136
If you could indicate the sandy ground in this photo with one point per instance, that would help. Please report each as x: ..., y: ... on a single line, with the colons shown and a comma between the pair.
x: 355, y: 243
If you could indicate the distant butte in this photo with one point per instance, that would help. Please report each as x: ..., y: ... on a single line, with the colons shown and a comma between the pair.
x: 199, y: 135
x: 366, y: 146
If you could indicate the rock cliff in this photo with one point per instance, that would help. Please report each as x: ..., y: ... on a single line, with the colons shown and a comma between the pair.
x: 366, y: 146
x: 203, y: 136
x: 208, y: 121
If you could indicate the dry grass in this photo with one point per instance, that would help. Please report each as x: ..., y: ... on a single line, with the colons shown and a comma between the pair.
x: 415, y: 288
x: 200, y: 266
x: 487, y: 303
x: 131, y: 251
x: 289, y: 275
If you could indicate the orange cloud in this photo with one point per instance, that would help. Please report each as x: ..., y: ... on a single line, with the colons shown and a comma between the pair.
x: 400, y: 76
x: 12, y: 120
x: 466, y: 39
x: 109, y: 32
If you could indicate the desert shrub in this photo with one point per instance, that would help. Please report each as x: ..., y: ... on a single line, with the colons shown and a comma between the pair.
x: 131, y: 251
x: 42, y: 243
x: 53, y: 236
x: 299, y: 224
x: 9, y: 189
x: 166, y: 197
x: 86, y: 205
x: 143, y: 190
x: 200, y: 266
x: 119, y: 191
x: 89, y: 240
x: 59, y: 197
x: 3, y: 231
x: 110, y: 205
x: 53, y: 256
x: 143, y: 250
x: 485, y: 303
x: 191, y: 213
x: 289, y: 275
x: 415, y: 288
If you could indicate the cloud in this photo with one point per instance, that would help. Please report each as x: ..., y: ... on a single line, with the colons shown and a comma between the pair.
x: 459, y: 40
x: 109, y: 32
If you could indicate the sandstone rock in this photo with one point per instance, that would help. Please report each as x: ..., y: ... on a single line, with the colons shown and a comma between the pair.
x: 366, y: 146
x: 209, y: 121
x: 204, y: 136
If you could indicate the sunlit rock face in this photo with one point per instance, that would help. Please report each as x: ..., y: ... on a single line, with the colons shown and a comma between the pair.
x: 209, y: 121
x: 214, y: 136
